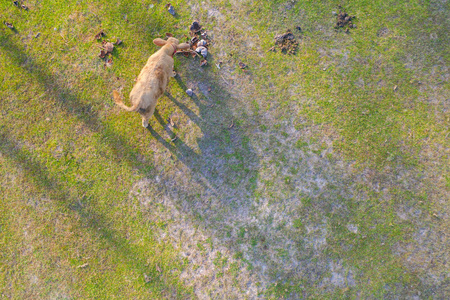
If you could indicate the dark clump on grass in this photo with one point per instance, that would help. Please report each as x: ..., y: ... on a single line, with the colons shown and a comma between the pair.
x: 286, y: 42
x: 106, y: 48
x: 195, y: 28
x: 199, y: 43
x: 344, y: 19
x: 9, y: 25
x: 99, y: 35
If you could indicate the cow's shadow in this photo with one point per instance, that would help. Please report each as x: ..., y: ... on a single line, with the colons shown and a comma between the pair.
x: 223, y: 167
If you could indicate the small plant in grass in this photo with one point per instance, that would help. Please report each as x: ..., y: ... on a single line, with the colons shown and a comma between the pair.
x: 298, y: 223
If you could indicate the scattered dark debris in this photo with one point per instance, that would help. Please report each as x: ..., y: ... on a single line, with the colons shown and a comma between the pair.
x: 103, y: 54
x: 193, y: 41
x: 202, y: 50
x: 298, y: 28
x: 195, y: 27
x: 100, y: 35
x: 170, y: 9
x: 109, y: 63
x: 286, y: 42
x: 147, y: 278
x: 344, y: 19
x: 107, y: 49
x: 19, y: 5
x: 281, y: 38
x: 197, y: 32
x: 199, y: 43
x: 242, y: 65
x: 108, y: 46
x: 9, y: 25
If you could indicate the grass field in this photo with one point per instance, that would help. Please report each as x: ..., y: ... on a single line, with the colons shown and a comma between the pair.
x: 318, y: 175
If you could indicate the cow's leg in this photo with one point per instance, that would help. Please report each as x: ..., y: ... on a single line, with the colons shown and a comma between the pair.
x: 147, y: 114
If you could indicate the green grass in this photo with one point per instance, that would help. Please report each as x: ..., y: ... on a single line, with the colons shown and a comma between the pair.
x: 352, y: 130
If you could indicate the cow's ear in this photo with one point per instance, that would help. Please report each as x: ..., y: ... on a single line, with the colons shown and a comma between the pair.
x: 159, y: 42
x: 183, y: 46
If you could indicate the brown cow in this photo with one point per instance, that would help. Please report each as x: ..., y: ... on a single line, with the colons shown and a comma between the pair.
x: 152, y: 81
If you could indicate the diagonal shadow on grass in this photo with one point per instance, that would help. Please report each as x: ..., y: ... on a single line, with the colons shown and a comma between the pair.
x: 95, y: 222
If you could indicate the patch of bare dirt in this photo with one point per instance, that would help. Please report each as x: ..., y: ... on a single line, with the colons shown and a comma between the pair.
x: 383, y: 32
